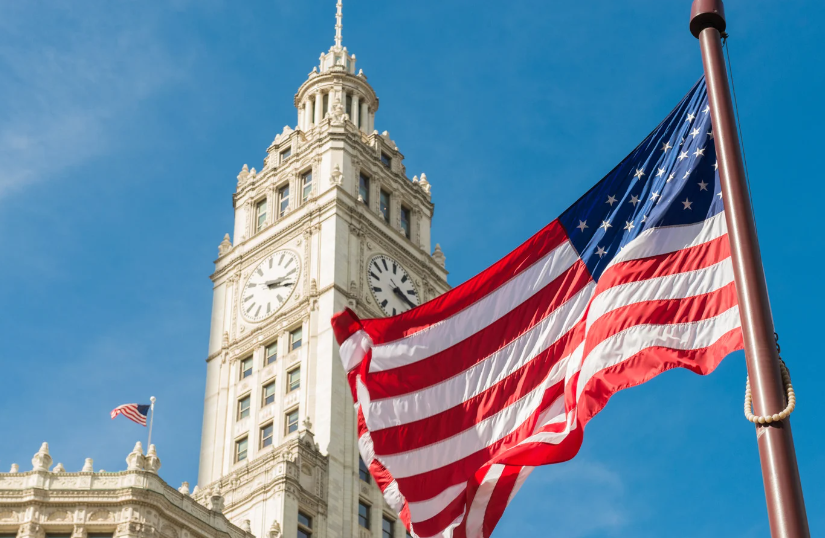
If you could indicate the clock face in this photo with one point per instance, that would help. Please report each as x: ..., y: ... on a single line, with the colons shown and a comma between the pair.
x: 270, y: 285
x: 391, y: 285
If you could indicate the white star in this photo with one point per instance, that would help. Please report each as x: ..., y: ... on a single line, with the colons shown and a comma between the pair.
x: 600, y: 251
x: 633, y: 200
x: 683, y: 155
x: 690, y: 117
x: 611, y: 200
x: 719, y: 194
x: 606, y: 224
x: 687, y: 203
x: 710, y: 134
x: 644, y: 218
x: 700, y: 152
x: 687, y: 175
x: 654, y: 195
x: 628, y: 225
x: 639, y: 173
x: 695, y: 132
x: 582, y: 225
x: 666, y: 146
x: 707, y: 109
x: 660, y: 171
x: 671, y: 176
x: 702, y: 185
x: 716, y: 165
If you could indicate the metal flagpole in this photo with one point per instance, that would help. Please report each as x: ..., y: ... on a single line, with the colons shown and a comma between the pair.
x: 151, y: 419
x: 780, y: 474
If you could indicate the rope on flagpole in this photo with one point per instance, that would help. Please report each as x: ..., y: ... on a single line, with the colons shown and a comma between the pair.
x: 151, y: 419
x: 791, y: 396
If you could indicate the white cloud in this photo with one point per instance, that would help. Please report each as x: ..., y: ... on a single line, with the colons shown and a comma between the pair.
x: 68, y: 78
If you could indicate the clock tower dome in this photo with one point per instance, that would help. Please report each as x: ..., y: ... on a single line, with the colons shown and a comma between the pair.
x: 330, y: 221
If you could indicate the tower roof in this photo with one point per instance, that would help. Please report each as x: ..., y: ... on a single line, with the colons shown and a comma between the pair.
x: 338, y: 54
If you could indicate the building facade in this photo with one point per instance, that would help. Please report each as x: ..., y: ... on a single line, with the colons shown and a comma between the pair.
x: 330, y: 221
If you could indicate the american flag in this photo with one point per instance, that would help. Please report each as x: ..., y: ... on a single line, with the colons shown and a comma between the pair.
x: 458, y: 399
x: 134, y: 412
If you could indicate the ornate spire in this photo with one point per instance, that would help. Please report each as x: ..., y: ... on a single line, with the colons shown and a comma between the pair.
x: 339, y: 16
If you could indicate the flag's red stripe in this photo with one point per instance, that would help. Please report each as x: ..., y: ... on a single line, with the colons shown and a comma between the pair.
x: 473, y: 410
x: 498, y: 501
x: 662, y: 312
x: 465, y: 354
x: 434, y: 525
x: 681, y: 261
x: 428, y: 484
x: 389, y: 329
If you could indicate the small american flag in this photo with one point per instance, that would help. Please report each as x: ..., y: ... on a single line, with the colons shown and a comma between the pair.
x: 134, y: 412
x: 457, y: 400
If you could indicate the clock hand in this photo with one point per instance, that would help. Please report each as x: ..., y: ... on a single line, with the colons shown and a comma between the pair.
x: 396, y: 290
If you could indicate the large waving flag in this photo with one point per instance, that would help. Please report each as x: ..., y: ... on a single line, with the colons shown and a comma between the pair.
x: 459, y: 398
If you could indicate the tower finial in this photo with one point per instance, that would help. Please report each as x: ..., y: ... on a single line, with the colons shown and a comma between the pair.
x: 338, y: 24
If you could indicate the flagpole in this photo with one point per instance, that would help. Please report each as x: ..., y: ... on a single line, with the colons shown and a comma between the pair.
x: 151, y: 419
x: 780, y: 474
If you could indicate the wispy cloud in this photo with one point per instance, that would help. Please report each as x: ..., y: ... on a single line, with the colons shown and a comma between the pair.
x: 67, y: 81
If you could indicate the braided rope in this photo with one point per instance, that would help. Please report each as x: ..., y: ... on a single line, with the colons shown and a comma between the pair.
x: 782, y: 415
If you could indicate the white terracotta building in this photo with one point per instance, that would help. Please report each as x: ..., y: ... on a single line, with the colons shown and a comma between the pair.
x: 330, y: 221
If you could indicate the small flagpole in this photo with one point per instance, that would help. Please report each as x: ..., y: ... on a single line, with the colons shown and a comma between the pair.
x: 780, y: 473
x: 151, y: 418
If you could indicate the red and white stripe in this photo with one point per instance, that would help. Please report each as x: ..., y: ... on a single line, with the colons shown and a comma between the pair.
x: 129, y: 411
x: 459, y: 398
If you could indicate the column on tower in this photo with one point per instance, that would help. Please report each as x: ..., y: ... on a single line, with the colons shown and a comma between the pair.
x: 319, y: 107
x: 355, y: 112
x: 307, y: 114
x: 363, y: 121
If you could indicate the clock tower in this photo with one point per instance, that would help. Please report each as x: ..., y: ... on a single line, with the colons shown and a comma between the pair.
x: 330, y: 221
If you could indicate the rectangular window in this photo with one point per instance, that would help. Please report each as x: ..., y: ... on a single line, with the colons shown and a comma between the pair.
x: 266, y: 435
x: 304, y: 525
x: 364, y: 514
x: 271, y: 353
x: 291, y: 422
x: 295, y: 338
x: 293, y: 379
x: 384, y: 204
x: 349, y: 108
x: 387, y: 527
x: 363, y: 471
x: 306, y: 186
x: 386, y: 160
x: 243, y: 407
x: 283, y: 200
x: 260, y: 214
x: 364, y: 188
x: 405, y: 221
x: 286, y: 154
x: 268, y: 394
x: 241, y: 447
x: 246, y: 367
x: 326, y: 103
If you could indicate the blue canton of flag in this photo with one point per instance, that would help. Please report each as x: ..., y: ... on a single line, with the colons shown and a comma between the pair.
x: 671, y: 178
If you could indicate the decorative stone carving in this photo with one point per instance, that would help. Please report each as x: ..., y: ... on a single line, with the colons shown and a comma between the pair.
x: 59, y: 515
x: 152, y: 462
x: 243, y: 175
x: 216, y: 501
x: 15, y: 468
x: 439, y: 256
x: 424, y: 184
x: 42, y: 460
x: 8, y: 515
x: 225, y: 246
x: 337, y: 177
x: 79, y: 532
x: 59, y: 468
x: 275, y: 530
x: 30, y: 529
x: 225, y: 340
x: 284, y: 134
x: 136, y: 461
x: 337, y: 115
x: 184, y: 488
x: 246, y: 525
x: 88, y: 466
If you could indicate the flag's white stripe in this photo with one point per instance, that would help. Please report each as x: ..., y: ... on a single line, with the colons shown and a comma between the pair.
x: 522, y: 476
x: 475, y: 516
x: 475, y: 317
x: 389, y: 412
x: 623, y: 345
x: 676, y: 286
x: 479, y: 436
x: 354, y: 348
x: 667, y: 239
x: 394, y: 497
x: 134, y: 415
x: 424, y: 510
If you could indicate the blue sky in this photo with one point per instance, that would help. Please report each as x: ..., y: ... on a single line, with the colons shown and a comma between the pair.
x: 124, y: 124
